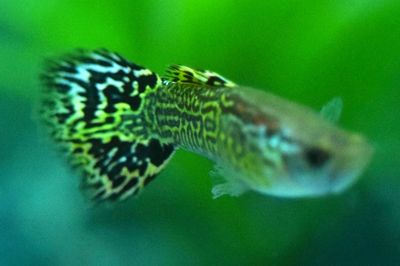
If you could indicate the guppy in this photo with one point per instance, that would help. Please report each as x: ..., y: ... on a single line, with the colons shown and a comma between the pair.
x: 120, y: 124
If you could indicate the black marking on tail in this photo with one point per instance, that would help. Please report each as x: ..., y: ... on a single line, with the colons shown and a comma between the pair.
x: 93, y: 103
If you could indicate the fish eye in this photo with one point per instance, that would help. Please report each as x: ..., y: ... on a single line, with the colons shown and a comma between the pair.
x: 316, y: 157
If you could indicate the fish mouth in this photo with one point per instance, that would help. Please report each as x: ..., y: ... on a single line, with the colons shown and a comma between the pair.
x: 351, y: 168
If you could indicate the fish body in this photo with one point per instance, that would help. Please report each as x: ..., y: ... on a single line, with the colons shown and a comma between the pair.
x: 120, y: 123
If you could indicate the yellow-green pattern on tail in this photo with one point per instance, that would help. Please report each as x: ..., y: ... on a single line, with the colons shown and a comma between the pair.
x: 93, y: 103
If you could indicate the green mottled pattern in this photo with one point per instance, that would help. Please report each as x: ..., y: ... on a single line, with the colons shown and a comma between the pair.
x: 211, y: 121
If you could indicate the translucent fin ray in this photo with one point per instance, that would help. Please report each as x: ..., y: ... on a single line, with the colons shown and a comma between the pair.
x: 332, y: 110
x: 224, y: 183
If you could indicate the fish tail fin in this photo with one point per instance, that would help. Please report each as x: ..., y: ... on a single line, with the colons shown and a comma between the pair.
x: 94, y: 105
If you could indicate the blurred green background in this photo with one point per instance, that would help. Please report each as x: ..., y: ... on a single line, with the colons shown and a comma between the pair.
x: 307, y: 51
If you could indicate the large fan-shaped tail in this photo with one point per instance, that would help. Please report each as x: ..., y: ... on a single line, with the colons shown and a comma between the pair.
x: 93, y: 103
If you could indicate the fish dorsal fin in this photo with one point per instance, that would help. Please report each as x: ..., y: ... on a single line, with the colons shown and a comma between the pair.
x: 184, y: 74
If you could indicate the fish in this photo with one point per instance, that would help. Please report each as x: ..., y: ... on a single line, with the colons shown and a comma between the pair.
x: 120, y: 124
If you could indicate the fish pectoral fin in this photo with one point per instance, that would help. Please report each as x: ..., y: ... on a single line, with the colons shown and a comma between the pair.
x: 184, y: 74
x: 332, y: 110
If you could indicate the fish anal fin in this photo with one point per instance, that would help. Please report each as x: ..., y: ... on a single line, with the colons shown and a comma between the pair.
x: 229, y: 188
x: 225, y: 183
x: 185, y: 74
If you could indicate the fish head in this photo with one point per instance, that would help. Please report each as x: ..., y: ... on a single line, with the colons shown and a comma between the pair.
x: 313, y: 157
x: 328, y: 162
x: 295, y: 151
